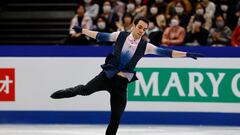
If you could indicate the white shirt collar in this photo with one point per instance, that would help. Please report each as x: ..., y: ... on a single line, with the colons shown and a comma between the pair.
x: 131, y: 39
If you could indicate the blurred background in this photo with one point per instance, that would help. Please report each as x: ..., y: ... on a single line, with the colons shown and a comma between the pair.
x: 49, y: 22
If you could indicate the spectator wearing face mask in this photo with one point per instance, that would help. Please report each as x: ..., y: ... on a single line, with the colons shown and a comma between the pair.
x: 152, y: 27
x: 80, y: 19
x: 161, y: 5
x: 198, y: 34
x: 200, y: 12
x: 152, y: 12
x: 110, y: 16
x: 127, y: 23
x: 118, y: 7
x: 131, y: 7
x: 224, y: 8
x: 236, y: 35
x: 180, y: 10
x: 171, y: 7
x: 102, y: 26
x: 92, y: 8
x: 221, y: 34
x: 140, y: 9
x: 210, y: 7
x: 174, y: 34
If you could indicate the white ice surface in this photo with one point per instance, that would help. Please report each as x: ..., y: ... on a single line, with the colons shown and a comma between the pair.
x: 123, y: 130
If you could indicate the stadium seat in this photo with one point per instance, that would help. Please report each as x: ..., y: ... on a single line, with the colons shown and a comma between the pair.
x: 35, y: 22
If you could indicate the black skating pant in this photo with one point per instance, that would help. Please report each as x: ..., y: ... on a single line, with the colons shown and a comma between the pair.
x: 117, y: 87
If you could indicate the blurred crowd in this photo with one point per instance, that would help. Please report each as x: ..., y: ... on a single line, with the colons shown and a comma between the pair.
x: 172, y: 22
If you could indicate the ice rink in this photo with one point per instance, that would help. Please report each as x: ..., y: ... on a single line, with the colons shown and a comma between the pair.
x: 123, y: 130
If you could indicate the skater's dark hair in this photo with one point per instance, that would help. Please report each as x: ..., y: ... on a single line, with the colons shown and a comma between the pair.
x: 141, y: 19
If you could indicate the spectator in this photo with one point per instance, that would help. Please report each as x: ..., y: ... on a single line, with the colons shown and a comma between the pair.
x: 161, y: 22
x: 80, y: 19
x: 152, y: 28
x: 102, y: 26
x: 161, y: 5
x: 131, y: 7
x: 236, y: 35
x: 170, y: 7
x: 223, y: 8
x: 210, y: 8
x: 118, y: 8
x: 198, y: 34
x: 180, y: 10
x: 92, y: 9
x: 221, y: 34
x: 174, y: 34
x: 153, y: 11
x: 127, y: 23
x: 110, y: 16
x: 200, y: 12
x: 141, y: 10
x: 154, y: 33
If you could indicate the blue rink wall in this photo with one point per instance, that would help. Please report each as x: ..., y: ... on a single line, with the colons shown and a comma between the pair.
x: 102, y: 117
x: 96, y: 51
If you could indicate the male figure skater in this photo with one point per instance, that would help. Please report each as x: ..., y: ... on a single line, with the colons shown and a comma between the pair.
x: 118, y: 69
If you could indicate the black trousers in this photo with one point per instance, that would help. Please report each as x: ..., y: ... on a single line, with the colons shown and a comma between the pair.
x: 117, y: 87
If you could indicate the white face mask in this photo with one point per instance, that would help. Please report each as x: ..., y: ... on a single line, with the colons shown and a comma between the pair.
x: 220, y: 24
x: 130, y: 7
x: 174, y: 22
x: 106, y: 9
x: 154, y: 10
x: 151, y: 25
x: 179, y: 10
x: 199, y: 11
x: 224, y: 8
x: 138, y: 2
x: 88, y: 1
x: 101, y: 25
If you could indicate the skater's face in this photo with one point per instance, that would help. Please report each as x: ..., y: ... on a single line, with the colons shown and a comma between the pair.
x: 139, y: 29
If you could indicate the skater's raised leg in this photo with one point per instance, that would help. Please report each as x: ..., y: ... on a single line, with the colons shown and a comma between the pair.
x: 96, y: 84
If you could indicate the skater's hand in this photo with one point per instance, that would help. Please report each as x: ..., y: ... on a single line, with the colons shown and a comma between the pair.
x: 77, y: 29
x: 194, y: 55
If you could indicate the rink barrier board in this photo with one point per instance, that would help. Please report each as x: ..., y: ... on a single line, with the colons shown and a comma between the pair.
x: 96, y: 51
x: 102, y: 117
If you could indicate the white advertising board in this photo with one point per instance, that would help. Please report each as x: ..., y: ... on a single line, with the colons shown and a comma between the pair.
x: 36, y: 78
